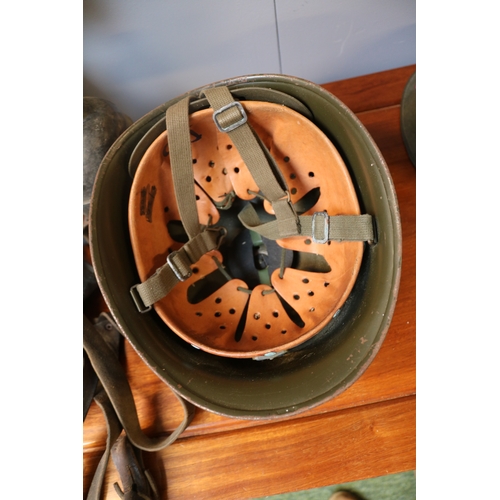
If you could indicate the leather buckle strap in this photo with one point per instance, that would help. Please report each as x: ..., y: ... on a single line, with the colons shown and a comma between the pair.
x: 320, y: 227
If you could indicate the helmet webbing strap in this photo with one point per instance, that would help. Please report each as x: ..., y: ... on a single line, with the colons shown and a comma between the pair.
x: 115, y: 398
x: 179, y: 146
x: 246, y: 93
x: 230, y: 117
x: 320, y: 226
x: 176, y: 269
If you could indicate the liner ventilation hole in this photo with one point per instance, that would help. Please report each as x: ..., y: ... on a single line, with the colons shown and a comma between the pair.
x: 296, y: 297
x: 211, y: 164
x: 311, y: 174
x: 208, y: 178
x: 268, y: 326
x: 236, y: 170
x: 256, y: 316
x: 218, y: 314
x: 232, y: 311
x: 218, y: 300
x: 276, y: 314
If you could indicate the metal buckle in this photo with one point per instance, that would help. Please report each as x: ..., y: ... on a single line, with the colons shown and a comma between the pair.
x: 176, y: 270
x: 233, y: 125
x: 141, y: 307
x: 326, y: 227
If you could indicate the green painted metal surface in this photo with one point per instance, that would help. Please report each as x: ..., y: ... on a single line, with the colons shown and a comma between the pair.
x: 310, y: 374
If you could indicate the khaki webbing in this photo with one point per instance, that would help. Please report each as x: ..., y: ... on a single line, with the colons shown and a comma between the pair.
x: 229, y: 117
x: 258, y: 162
x: 176, y: 269
x: 320, y: 227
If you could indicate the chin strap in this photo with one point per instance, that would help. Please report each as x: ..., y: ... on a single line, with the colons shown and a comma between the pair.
x: 320, y: 227
x: 113, y: 395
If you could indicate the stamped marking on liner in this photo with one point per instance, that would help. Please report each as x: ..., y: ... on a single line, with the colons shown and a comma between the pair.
x: 147, y: 199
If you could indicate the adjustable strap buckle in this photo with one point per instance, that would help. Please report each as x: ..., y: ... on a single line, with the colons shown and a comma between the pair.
x: 326, y: 226
x: 231, y: 126
x: 179, y: 274
x: 141, y: 307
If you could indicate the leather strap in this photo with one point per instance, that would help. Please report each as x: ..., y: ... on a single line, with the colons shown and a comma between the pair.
x: 115, y: 383
x: 114, y: 428
x: 89, y: 384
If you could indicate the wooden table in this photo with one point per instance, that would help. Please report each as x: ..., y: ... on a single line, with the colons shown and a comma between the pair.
x: 367, y: 431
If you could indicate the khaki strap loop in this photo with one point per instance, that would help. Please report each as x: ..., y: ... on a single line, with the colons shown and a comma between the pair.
x: 320, y: 227
x: 176, y: 269
x: 245, y: 93
x: 178, y: 265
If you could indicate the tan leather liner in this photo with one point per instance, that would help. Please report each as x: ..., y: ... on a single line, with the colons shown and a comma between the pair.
x: 307, y: 160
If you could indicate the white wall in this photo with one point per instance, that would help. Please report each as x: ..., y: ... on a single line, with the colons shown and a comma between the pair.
x: 141, y: 53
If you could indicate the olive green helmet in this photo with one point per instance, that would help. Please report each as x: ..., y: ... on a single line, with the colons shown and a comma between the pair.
x: 262, y: 378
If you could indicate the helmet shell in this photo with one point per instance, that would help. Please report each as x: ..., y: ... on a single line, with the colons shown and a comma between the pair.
x: 314, y: 371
